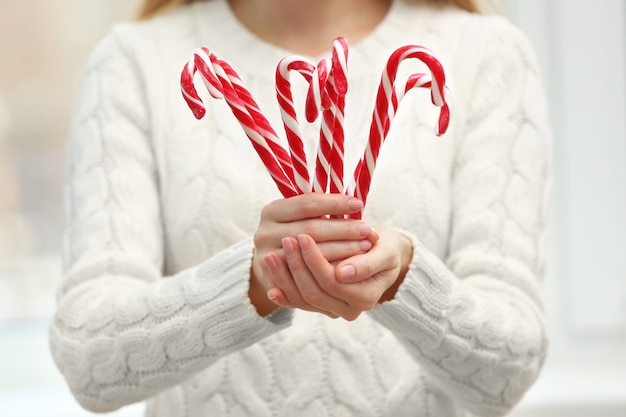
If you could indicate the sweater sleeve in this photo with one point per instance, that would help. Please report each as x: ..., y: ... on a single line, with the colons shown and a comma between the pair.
x: 474, y: 319
x: 122, y: 332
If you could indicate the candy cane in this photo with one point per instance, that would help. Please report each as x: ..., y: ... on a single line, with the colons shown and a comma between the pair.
x: 317, y: 99
x: 329, y: 162
x: 263, y: 137
x: 322, y: 162
x: 384, y: 106
x: 327, y: 89
x: 263, y: 125
x: 339, y: 83
x: 289, y: 116
x: 421, y: 81
x: 401, y: 87
x: 222, y: 81
x: 189, y: 92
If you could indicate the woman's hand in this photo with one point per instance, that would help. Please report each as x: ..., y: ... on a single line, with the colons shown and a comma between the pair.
x: 307, y: 280
x: 336, y: 238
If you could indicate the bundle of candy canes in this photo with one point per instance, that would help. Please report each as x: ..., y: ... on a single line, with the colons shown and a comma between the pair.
x: 328, y: 85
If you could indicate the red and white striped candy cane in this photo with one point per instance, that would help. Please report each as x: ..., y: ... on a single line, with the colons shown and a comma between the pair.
x: 322, y: 163
x: 263, y: 125
x: 316, y: 99
x: 329, y: 163
x: 189, y: 92
x: 384, y: 107
x: 419, y: 80
x: 290, y: 118
x: 327, y: 90
x: 401, y: 87
x: 263, y: 137
x: 221, y: 80
x: 339, y: 83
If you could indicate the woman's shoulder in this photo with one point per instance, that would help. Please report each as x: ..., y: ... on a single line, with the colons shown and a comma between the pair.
x: 451, y: 29
x: 470, y: 26
x: 490, y: 30
x: 475, y: 38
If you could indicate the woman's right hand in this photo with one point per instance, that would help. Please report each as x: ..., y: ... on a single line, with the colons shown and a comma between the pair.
x: 310, y: 214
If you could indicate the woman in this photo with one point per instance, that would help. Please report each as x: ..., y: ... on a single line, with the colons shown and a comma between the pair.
x: 191, y: 284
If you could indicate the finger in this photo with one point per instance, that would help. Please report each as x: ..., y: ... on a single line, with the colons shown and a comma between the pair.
x: 278, y: 297
x: 363, y: 266
x: 335, y: 251
x: 356, y: 269
x: 311, y: 205
x: 307, y: 285
x: 286, y: 293
x: 321, y: 229
x: 390, y: 257
x: 313, y: 258
x: 373, y: 236
x: 351, y: 232
x: 354, y: 297
x: 324, y: 230
x: 282, y: 280
x: 323, y: 274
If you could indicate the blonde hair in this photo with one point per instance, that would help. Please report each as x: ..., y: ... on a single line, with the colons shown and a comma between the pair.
x: 150, y: 8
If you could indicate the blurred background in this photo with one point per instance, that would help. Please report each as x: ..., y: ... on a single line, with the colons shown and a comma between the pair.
x: 581, y: 46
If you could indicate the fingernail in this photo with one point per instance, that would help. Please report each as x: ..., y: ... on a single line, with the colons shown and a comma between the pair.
x: 273, y: 298
x: 365, y: 230
x: 270, y: 262
x: 347, y: 271
x: 365, y: 245
x: 288, y: 246
x: 355, y: 205
x: 304, y: 242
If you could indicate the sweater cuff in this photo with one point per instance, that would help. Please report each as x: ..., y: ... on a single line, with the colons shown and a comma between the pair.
x: 420, y: 299
x: 232, y: 320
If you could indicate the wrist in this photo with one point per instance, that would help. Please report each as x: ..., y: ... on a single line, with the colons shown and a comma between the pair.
x: 406, y: 256
x: 258, y: 296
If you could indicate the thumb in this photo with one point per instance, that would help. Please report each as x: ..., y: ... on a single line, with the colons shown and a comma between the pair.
x: 353, y: 270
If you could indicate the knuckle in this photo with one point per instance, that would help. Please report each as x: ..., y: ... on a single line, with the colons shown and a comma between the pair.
x: 271, y: 210
x: 330, y: 285
x: 257, y: 238
x: 340, y: 202
x: 351, y: 315
x: 307, y: 203
x: 366, y: 304
x: 361, y: 305
x: 312, y: 228
x: 266, y: 211
x: 261, y: 237
x: 350, y: 228
x: 366, y: 269
x: 311, y: 297
x: 317, y: 204
x: 296, y: 268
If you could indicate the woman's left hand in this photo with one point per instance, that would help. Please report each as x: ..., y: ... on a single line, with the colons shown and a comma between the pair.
x: 354, y: 285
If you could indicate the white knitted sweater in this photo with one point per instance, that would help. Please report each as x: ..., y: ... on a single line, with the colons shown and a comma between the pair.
x: 162, y: 207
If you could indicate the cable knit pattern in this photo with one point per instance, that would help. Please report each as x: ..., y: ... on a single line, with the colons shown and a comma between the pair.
x: 162, y: 207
